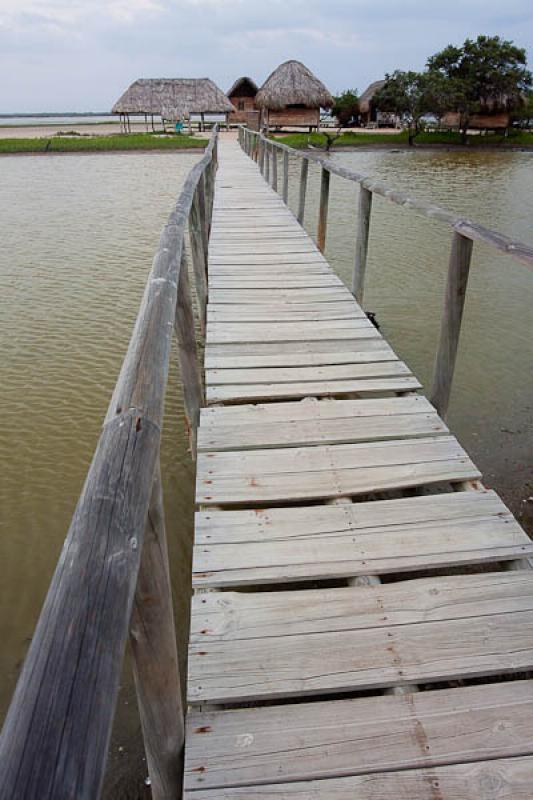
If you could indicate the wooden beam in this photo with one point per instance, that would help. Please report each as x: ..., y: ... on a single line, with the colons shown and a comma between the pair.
x: 155, y: 656
x: 458, y: 270
x: 323, y: 210
x: 361, y: 245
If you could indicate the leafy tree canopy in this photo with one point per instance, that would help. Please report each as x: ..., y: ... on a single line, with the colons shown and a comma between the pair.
x: 489, y: 72
x: 346, y: 106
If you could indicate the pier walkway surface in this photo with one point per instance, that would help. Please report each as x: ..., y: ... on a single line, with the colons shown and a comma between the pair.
x: 362, y: 623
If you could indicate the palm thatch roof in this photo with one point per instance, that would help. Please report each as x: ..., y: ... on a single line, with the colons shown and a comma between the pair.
x: 368, y: 94
x: 173, y: 98
x: 244, y: 84
x: 292, y: 83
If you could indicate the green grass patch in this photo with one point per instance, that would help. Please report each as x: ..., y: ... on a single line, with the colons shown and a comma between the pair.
x: 359, y: 138
x: 350, y: 139
x: 94, y: 144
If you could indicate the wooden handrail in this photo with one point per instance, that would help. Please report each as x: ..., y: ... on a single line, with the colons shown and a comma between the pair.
x: 56, y: 734
x: 466, y: 227
x: 465, y: 233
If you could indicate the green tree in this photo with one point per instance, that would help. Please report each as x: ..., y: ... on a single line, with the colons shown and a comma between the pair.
x: 488, y: 73
x: 346, y: 106
x: 410, y: 95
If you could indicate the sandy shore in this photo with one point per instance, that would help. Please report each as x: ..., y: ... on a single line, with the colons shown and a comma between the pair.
x: 45, y: 131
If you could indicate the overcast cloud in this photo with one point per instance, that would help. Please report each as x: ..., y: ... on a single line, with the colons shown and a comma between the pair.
x: 78, y: 55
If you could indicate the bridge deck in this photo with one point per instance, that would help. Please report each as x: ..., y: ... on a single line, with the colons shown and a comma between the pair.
x: 318, y: 462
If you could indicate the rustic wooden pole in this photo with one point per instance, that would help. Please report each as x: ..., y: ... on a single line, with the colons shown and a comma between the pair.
x: 323, y: 210
x: 191, y: 378
x: 267, y: 162
x: 155, y: 656
x: 361, y: 243
x: 458, y: 269
x: 274, y: 153
x: 303, y: 189
x: 199, y: 259
x: 286, y: 177
x: 201, y: 195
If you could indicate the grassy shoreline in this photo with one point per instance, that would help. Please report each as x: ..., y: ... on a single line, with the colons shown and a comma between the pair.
x: 517, y: 139
x: 99, y: 144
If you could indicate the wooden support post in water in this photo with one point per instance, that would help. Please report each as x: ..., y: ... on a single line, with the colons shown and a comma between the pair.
x: 323, y: 210
x: 155, y: 656
x: 267, y: 162
x: 286, y: 177
x: 201, y: 195
x: 361, y: 244
x: 303, y: 189
x: 191, y: 379
x: 458, y: 269
x: 199, y: 258
x: 274, y: 152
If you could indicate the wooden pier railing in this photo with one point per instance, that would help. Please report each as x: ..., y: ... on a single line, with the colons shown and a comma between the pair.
x: 112, y: 578
x: 465, y: 232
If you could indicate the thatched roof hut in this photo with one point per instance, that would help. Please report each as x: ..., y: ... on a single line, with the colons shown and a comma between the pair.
x: 292, y: 97
x: 365, y: 99
x: 242, y: 95
x: 293, y: 84
x: 173, y: 98
x: 243, y: 87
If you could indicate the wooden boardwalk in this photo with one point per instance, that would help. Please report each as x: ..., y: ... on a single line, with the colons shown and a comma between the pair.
x: 356, y: 630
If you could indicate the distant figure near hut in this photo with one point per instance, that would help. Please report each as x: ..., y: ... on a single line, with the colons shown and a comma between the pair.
x: 292, y: 97
x: 242, y: 97
x: 174, y: 100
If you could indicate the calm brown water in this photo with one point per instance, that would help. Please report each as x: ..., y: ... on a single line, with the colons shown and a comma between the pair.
x: 77, y: 236
x: 492, y: 402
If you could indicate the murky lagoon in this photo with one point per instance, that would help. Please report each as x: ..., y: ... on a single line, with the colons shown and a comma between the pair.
x: 77, y: 236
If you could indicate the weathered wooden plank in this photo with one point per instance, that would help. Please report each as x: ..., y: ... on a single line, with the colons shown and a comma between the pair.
x: 293, y: 354
x: 314, y: 431
x: 499, y: 779
x: 234, y: 393
x: 237, y: 616
x: 322, y: 472
x: 379, y: 550
x: 338, y: 738
x: 426, y: 652
x: 312, y: 409
x: 267, y: 258
x: 220, y: 332
x: 273, y: 313
x: 309, y: 280
x: 335, y: 372
x: 281, y: 295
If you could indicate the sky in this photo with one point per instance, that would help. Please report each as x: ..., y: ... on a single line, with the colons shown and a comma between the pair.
x: 80, y: 55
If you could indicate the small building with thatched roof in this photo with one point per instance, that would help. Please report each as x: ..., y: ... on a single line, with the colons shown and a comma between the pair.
x: 242, y: 97
x: 292, y: 97
x: 174, y: 99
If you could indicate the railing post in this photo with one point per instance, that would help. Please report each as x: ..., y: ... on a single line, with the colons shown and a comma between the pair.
x: 267, y: 162
x: 191, y: 379
x: 303, y: 189
x: 199, y: 258
x: 361, y: 243
x: 155, y: 656
x: 286, y: 177
x: 262, y: 155
x: 323, y: 210
x: 458, y: 269
x: 274, y: 152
